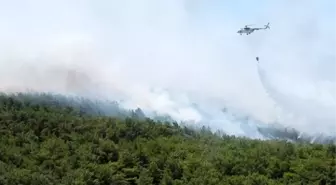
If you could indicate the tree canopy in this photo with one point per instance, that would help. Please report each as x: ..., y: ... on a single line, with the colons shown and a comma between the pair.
x: 50, y: 144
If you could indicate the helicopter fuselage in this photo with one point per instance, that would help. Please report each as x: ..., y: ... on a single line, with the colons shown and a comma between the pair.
x: 246, y: 30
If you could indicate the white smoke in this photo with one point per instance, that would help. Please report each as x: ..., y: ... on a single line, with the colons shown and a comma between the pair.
x: 166, y: 56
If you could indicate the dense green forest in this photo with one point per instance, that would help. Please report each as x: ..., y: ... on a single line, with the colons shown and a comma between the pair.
x: 52, y: 144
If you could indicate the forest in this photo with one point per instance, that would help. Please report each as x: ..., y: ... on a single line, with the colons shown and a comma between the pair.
x: 52, y: 144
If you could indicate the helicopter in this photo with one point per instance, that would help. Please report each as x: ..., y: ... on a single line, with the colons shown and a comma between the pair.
x: 249, y: 30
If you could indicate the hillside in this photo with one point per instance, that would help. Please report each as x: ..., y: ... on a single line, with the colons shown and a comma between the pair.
x: 50, y: 143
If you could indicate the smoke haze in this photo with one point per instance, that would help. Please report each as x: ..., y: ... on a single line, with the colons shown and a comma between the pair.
x: 169, y: 56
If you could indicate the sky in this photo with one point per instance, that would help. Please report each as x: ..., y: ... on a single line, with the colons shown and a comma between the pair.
x: 137, y: 50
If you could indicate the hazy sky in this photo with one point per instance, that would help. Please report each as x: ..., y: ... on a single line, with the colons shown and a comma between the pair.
x: 187, y: 46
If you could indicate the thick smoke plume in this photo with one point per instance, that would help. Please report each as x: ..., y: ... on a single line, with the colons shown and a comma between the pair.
x: 179, y: 58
